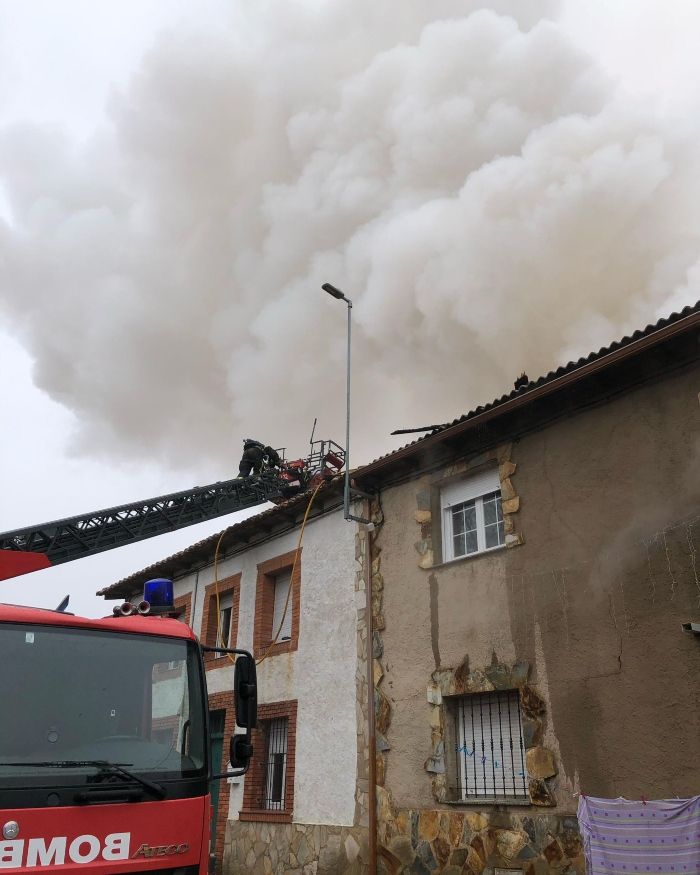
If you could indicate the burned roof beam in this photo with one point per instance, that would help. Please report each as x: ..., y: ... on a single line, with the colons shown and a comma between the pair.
x: 422, y: 428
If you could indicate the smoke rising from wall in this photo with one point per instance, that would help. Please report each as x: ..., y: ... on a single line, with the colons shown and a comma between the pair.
x: 460, y: 169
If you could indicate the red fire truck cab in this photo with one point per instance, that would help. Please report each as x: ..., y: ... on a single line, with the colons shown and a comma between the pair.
x: 104, y: 754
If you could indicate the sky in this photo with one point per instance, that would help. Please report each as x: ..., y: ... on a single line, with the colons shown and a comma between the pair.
x: 123, y: 126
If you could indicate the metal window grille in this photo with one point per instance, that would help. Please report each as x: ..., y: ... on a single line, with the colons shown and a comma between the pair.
x: 275, y: 764
x: 489, y: 746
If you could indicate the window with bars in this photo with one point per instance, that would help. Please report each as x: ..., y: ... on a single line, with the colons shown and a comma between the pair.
x: 268, y: 792
x: 283, y: 582
x: 488, y: 745
x: 275, y: 764
x: 472, y: 517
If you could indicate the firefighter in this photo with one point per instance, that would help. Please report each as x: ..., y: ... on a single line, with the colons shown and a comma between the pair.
x: 273, y: 458
x: 252, y: 458
x: 255, y: 455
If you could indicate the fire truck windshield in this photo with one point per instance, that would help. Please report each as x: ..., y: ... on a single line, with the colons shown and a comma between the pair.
x: 73, y: 697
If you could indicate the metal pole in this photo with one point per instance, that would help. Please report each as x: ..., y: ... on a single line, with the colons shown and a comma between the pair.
x: 371, y: 731
x: 346, y: 502
x: 339, y: 296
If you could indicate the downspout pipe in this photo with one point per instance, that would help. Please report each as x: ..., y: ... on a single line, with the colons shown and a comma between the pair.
x: 371, y: 734
x: 346, y: 495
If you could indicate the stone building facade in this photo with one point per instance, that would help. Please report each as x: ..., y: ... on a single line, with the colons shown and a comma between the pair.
x: 302, y: 807
x: 524, y: 657
x: 531, y: 566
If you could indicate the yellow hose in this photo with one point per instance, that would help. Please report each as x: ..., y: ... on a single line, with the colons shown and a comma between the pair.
x: 289, y: 591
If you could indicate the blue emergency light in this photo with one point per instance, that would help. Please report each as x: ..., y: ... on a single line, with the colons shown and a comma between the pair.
x: 159, y: 593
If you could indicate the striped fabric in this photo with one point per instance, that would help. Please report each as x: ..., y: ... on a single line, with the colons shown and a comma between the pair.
x: 623, y: 838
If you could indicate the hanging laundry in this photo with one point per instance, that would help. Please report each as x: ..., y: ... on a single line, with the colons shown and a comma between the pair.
x: 623, y: 837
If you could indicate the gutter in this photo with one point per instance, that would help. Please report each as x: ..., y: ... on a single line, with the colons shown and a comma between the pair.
x: 687, y: 323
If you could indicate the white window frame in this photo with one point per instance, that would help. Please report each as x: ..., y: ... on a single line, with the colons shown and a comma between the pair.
x: 225, y: 604
x: 278, y: 606
x: 460, y: 492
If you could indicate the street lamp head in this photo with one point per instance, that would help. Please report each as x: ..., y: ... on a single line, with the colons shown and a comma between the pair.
x: 336, y: 293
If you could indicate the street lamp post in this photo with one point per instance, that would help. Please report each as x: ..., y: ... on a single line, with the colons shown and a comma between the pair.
x: 336, y: 293
x: 367, y: 569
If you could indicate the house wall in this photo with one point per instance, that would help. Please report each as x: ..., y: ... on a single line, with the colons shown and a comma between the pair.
x: 321, y: 677
x: 583, y: 613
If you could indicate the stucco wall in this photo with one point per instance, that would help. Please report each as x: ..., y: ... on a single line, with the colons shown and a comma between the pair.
x: 320, y: 674
x: 593, y: 600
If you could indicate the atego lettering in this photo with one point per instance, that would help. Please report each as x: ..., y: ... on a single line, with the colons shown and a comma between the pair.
x: 59, y: 850
x: 147, y: 850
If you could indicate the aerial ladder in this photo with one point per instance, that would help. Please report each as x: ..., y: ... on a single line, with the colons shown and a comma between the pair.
x: 42, y: 546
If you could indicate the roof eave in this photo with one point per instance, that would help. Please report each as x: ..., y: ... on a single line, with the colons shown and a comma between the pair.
x: 636, y: 347
x: 186, y: 560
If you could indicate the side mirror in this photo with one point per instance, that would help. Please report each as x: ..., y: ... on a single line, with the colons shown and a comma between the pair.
x: 240, y: 751
x: 245, y: 690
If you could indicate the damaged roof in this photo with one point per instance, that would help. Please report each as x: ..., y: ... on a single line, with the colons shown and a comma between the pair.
x: 628, y: 346
x: 286, y: 516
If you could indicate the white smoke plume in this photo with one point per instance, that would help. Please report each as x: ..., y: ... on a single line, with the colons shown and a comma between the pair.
x: 461, y: 170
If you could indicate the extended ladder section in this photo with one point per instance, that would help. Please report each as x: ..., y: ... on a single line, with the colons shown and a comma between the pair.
x: 36, y: 547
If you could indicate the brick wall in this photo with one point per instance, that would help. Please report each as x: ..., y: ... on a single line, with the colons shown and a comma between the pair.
x: 255, y: 779
x: 219, y: 702
x: 265, y: 605
x: 184, y: 603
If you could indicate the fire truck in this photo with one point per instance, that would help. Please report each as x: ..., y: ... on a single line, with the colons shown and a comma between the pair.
x: 105, y: 762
